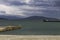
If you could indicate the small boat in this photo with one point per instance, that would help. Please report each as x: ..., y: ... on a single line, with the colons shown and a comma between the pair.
x: 9, y: 28
x: 46, y: 20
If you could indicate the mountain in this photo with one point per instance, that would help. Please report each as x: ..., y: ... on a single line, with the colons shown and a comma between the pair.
x: 2, y: 17
x: 9, y: 17
x: 35, y: 18
x: 41, y: 18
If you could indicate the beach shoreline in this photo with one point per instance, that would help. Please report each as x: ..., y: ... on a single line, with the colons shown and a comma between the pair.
x: 29, y: 37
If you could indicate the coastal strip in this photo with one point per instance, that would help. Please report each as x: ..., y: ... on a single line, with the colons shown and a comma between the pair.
x: 29, y: 37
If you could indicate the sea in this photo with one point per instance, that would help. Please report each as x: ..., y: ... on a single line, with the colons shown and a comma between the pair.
x: 31, y: 27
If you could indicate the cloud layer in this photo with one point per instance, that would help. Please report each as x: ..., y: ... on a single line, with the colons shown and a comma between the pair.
x: 26, y: 8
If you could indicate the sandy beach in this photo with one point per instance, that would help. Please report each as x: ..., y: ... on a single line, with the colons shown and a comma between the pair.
x: 29, y: 37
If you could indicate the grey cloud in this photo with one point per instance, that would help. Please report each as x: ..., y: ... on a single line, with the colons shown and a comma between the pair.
x: 44, y: 3
x: 11, y: 2
x: 49, y: 8
x: 2, y: 12
x: 31, y: 3
x: 57, y: 3
x: 17, y: 3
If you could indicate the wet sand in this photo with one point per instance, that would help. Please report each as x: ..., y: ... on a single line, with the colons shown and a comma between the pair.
x: 29, y: 37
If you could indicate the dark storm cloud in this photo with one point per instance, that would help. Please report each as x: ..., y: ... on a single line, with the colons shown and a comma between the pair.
x: 57, y: 3
x: 12, y: 2
x: 31, y: 3
x: 43, y: 12
x: 49, y: 8
x: 17, y: 3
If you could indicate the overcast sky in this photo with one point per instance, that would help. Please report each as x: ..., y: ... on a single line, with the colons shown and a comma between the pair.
x: 26, y: 8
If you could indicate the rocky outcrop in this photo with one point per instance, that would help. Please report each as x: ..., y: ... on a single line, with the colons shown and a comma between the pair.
x: 2, y: 29
x: 12, y: 28
x: 9, y: 28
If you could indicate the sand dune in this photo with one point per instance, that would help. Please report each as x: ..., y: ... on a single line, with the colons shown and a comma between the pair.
x: 29, y: 37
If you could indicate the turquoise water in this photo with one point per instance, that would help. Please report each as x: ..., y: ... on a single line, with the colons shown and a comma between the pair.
x: 32, y: 27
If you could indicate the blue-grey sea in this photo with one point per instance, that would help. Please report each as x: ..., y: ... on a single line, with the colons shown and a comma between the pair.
x: 32, y: 27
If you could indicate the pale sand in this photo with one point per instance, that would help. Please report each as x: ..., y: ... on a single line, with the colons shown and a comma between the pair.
x: 29, y: 37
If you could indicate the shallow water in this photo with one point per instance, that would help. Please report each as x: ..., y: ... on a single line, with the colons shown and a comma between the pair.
x: 30, y: 27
